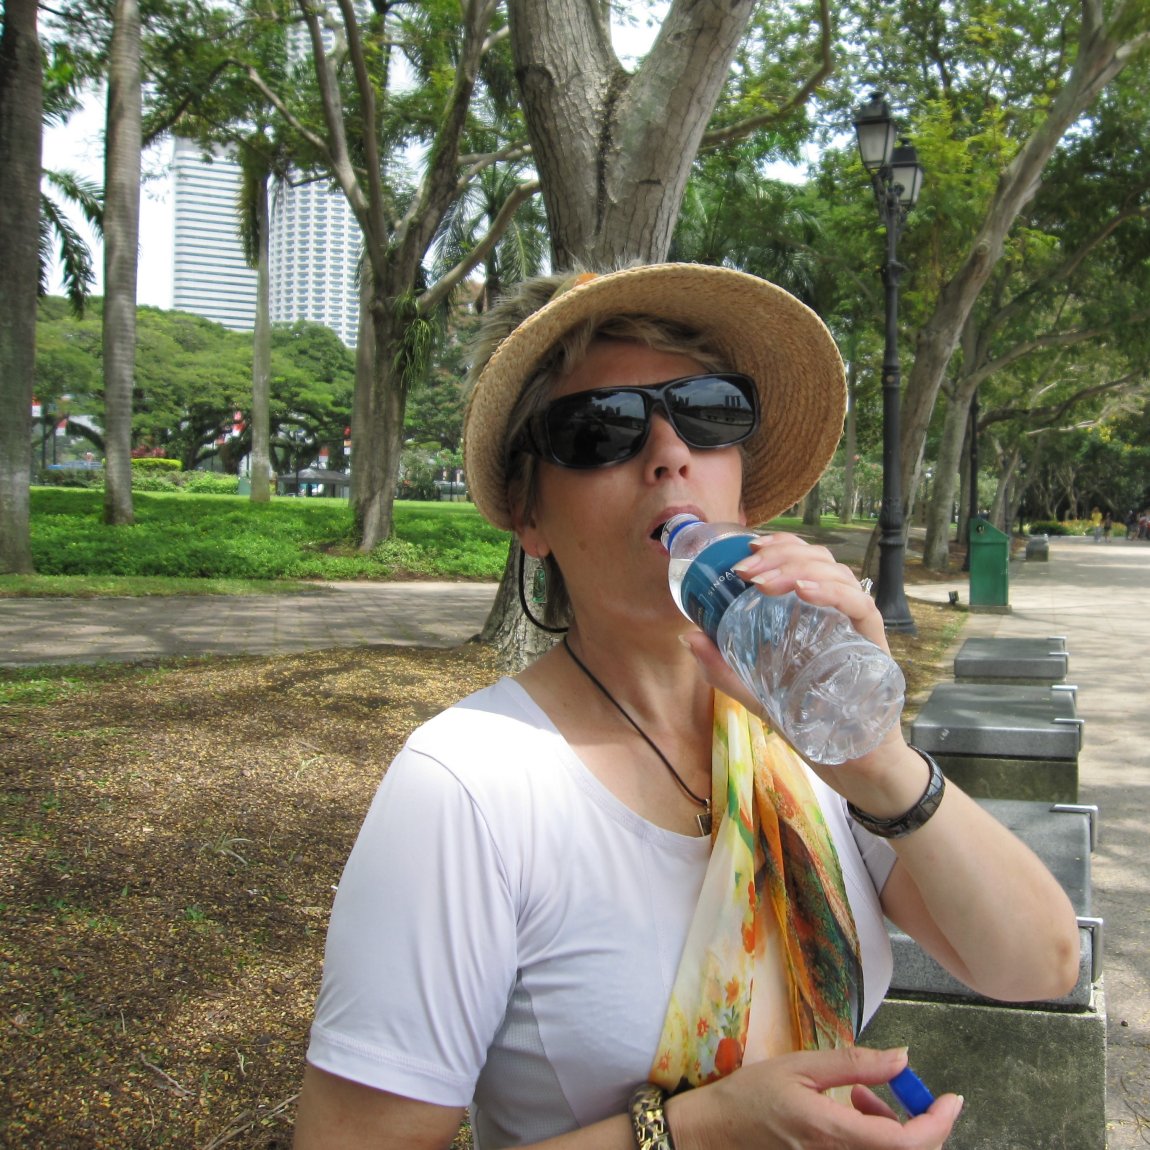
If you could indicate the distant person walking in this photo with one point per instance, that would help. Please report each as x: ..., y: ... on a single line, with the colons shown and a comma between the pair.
x: 1107, y: 526
x: 1096, y: 523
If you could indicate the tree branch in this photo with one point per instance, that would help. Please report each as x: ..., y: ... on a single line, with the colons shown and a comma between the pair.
x: 367, y: 96
x: 477, y: 162
x: 1054, y: 413
x: 447, y: 283
x: 335, y: 147
x: 317, y: 142
x: 740, y: 131
x: 166, y: 123
x: 439, y: 184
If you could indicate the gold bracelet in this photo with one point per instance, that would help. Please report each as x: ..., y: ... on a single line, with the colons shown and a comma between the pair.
x: 648, y: 1121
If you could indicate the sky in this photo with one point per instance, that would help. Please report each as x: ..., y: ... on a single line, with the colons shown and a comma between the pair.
x: 78, y: 146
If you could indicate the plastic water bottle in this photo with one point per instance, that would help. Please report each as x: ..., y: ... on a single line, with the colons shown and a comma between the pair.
x: 829, y: 692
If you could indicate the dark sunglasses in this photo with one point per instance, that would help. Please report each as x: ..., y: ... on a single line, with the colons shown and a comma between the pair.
x: 610, y: 424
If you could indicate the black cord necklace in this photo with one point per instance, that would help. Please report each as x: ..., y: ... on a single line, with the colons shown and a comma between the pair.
x: 703, y: 818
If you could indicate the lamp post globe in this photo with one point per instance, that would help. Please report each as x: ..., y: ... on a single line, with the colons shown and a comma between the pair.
x: 896, y: 177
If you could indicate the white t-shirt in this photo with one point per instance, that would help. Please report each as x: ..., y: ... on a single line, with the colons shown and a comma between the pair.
x: 506, y: 932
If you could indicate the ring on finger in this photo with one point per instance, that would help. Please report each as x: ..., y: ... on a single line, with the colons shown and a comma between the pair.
x: 865, y: 586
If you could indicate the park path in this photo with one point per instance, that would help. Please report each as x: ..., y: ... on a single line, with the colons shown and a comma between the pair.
x: 1096, y: 595
x: 330, y: 615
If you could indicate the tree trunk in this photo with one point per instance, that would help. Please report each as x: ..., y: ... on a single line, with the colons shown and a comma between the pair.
x: 999, y: 510
x: 262, y: 358
x: 811, y: 505
x: 612, y: 175
x: 121, y: 243
x: 21, y: 101
x: 380, y: 409
x: 948, y: 463
x: 850, y: 447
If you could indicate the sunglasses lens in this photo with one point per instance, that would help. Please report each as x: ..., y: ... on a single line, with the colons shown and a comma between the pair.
x: 598, y: 428
x: 711, y: 411
x: 595, y: 429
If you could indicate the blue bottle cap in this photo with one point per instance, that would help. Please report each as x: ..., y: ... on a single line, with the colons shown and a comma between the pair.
x: 912, y: 1092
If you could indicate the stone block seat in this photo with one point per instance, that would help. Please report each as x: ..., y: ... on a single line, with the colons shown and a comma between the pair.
x: 1034, y: 1074
x: 1019, y: 662
x: 999, y: 741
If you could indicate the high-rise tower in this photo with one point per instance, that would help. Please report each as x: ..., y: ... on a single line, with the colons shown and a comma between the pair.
x: 313, y: 249
x: 314, y: 252
x: 210, y: 276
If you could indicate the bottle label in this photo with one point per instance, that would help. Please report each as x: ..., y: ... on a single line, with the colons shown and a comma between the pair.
x: 710, y: 586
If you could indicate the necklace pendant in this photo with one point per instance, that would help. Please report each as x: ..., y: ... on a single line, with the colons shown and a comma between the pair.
x: 703, y: 818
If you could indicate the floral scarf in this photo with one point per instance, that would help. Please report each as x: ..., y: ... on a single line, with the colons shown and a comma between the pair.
x: 773, y: 914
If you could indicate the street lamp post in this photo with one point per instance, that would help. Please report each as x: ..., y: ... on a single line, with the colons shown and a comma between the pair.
x: 896, y: 176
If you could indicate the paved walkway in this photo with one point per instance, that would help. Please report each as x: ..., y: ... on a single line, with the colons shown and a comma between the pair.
x: 1094, y: 594
x: 332, y: 615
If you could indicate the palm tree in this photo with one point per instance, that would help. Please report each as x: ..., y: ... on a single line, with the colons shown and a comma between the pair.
x: 21, y: 113
x: 57, y: 229
x: 121, y: 241
x: 254, y: 227
x: 522, y: 250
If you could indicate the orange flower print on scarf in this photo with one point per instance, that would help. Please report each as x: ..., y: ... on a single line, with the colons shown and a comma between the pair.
x: 773, y: 874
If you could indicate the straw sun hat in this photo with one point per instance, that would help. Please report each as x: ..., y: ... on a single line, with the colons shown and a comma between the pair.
x: 757, y: 327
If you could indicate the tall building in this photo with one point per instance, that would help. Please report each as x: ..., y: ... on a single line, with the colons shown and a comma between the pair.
x: 210, y: 276
x: 315, y: 245
x: 313, y: 249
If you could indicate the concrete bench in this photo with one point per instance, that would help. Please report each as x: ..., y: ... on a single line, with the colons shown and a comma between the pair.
x: 1020, y: 662
x: 1000, y: 741
x: 1033, y: 1075
x: 1038, y: 547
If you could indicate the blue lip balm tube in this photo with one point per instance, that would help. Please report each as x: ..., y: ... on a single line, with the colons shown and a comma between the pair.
x: 911, y: 1092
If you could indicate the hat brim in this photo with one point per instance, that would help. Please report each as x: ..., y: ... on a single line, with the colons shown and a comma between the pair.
x: 758, y: 328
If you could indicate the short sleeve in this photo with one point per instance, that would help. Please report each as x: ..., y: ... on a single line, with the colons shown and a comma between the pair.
x: 877, y: 854
x: 421, y: 949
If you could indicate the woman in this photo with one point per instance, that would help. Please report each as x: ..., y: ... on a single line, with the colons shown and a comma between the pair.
x: 532, y: 921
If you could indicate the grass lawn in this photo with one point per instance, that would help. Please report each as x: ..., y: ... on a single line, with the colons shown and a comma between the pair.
x: 194, y: 540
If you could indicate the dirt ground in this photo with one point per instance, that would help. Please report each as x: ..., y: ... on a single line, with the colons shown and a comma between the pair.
x: 171, y: 838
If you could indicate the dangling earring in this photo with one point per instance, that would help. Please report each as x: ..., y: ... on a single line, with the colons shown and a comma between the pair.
x: 538, y: 592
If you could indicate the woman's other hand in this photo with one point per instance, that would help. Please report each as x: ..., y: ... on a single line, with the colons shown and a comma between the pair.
x: 780, y: 1103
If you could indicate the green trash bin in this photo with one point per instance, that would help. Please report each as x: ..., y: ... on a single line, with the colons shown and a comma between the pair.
x: 989, y: 566
x: 244, y: 487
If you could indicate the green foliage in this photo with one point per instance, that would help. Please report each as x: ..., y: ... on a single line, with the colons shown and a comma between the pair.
x: 154, y: 480
x: 211, y: 537
x: 156, y: 463
x: 1051, y: 527
x: 417, y: 478
x: 89, y: 478
x: 193, y: 375
x: 209, y: 483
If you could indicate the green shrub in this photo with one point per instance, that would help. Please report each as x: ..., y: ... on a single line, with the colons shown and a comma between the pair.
x: 418, y: 478
x: 84, y: 477
x: 1051, y: 527
x: 155, y: 463
x: 210, y: 483
x: 155, y: 480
